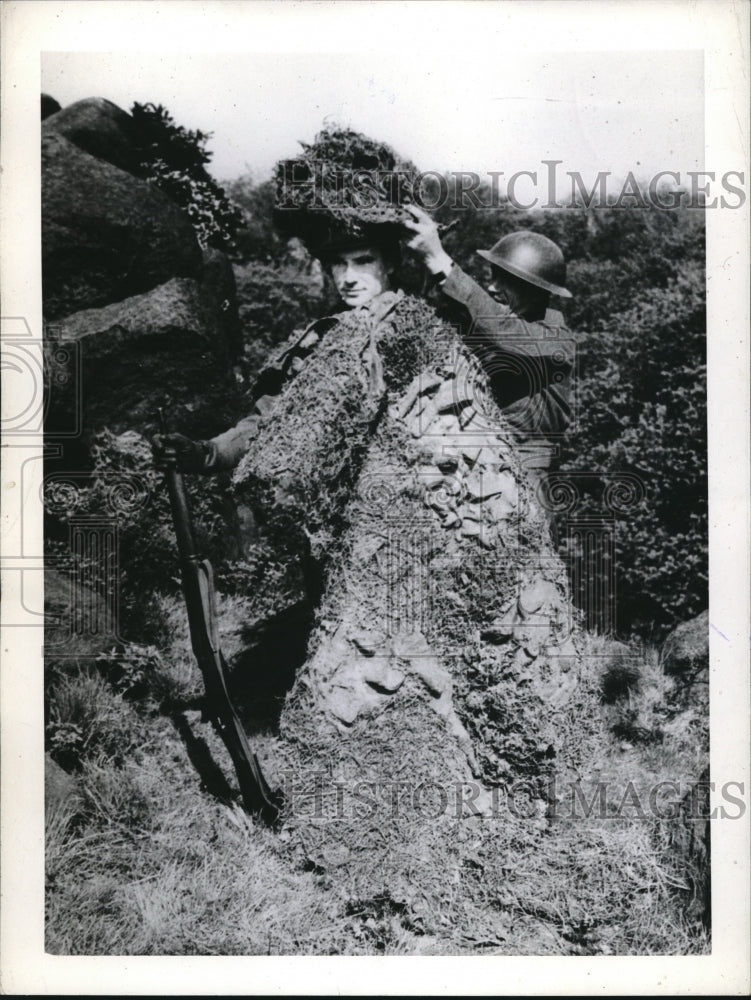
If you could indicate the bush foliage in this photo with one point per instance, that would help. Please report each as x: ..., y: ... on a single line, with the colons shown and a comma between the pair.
x: 174, y: 159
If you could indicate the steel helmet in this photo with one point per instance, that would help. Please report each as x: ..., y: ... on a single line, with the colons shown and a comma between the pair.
x: 533, y: 258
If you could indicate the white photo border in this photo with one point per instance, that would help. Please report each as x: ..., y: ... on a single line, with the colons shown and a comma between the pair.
x: 720, y: 29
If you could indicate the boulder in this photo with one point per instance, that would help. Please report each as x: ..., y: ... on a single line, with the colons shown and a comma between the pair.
x: 49, y: 106
x: 105, y: 234
x: 165, y: 347
x: 685, y: 653
x: 97, y: 127
x: 218, y: 283
x: 61, y: 790
x: 690, y: 848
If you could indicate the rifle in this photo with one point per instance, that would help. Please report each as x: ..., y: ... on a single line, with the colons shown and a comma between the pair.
x: 198, y: 589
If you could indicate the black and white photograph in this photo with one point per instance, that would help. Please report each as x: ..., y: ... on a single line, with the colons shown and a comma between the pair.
x: 375, y: 494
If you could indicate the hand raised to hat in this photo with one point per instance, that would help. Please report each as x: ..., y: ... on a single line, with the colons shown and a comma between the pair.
x: 426, y: 241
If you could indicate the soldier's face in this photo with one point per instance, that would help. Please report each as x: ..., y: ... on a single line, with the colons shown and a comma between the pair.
x: 504, y: 290
x: 359, y: 274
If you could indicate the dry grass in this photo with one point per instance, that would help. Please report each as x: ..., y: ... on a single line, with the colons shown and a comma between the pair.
x: 151, y: 863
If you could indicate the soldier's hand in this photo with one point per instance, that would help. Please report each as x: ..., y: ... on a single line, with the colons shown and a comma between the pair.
x: 190, y: 455
x: 426, y: 241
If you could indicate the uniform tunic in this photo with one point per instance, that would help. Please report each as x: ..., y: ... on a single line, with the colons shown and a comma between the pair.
x: 528, y: 362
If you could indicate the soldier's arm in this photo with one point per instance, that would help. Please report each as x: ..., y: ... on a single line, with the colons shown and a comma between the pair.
x: 503, y: 342
x: 490, y: 323
x: 221, y: 453
x: 225, y: 451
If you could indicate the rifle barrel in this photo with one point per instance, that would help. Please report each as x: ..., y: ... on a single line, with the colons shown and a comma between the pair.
x: 258, y: 797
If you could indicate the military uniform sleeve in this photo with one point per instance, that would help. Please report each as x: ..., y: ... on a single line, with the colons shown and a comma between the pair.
x: 529, y: 363
x: 492, y: 324
x: 226, y: 450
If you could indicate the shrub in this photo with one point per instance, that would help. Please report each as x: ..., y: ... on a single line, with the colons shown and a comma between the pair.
x: 175, y: 159
x: 274, y: 301
x: 147, y: 548
x: 642, y: 409
x: 88, y: 721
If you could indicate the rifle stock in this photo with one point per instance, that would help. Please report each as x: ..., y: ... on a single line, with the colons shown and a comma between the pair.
x: 198, y: 590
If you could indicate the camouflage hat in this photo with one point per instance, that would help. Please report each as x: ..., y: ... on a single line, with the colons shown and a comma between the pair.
x: 344, y: 187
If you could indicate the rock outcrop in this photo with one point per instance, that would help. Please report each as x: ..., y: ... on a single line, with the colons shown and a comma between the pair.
x: 97, y: 127
x: 153, y: 316
x: 164, y: 347
x: 106, y: 234
x: 138, y: 316
x: 49, y: 106
x: 685, y: 652
x: 685, y: 658
x: 220, y: 294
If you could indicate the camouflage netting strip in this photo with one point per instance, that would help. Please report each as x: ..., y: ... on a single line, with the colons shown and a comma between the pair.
x: 306, y: 458
x: 447, y: 563
x: 305, y: 461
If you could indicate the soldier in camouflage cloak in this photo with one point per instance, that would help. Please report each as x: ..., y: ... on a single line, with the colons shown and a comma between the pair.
x: 378, y: 462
